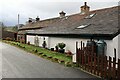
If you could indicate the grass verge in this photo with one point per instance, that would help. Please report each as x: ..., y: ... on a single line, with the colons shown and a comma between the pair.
x: 44, y: 53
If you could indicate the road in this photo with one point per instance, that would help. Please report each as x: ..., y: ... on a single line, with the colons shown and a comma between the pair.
x: 17, y: 63
x: 0, y: 61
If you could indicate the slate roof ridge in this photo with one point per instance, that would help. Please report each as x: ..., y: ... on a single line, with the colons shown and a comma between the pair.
x: 82, y: 14
x: 108, y: 8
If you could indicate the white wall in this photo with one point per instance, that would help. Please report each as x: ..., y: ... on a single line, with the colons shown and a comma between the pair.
x: 111, y: 44
x: 30, y: 38
x: 110, y: 48
x: 53, y: 41
x: 71, y: 43
x: 119, y: 46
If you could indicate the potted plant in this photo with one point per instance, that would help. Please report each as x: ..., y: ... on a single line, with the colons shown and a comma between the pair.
x: 28, y: 42
x: 56, y: 48
x: 61, y: 46
x: 44, y: 44
x: 52, y: 49
x: 69, y: 53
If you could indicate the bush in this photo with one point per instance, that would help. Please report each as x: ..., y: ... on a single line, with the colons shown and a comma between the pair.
x: 56, y: 48
x: 8, y: 39
x: 17, y: 41
x: 23, y: 41
x: 35, y: 50
x: 69, y: 53
x: 28, y: 43
x: 61, y: 45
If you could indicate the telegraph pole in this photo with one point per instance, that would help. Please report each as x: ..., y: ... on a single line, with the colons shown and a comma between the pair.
x: 18, y: 21
x: 18, y: 27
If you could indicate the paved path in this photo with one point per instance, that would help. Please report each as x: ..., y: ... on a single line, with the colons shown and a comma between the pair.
x: 17, y: 63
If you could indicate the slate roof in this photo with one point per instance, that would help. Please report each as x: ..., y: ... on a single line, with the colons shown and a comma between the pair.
x: 104, y: 22
x: 39, y: 24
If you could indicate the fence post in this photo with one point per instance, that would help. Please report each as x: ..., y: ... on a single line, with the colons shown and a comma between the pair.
x: 91, y: 62
x: 98, y: 65
x: 81, y: 45
x: 87, y: 65
x: 105, y: 66
x: 85, y: 61
x: 118, y: 73
x: 114, y: 68
x: 94, y: 63
x: 102, y: 66
x: 82, y: 59
x: 77, y: 54
x: 84, y: 56
x: 109, y: 72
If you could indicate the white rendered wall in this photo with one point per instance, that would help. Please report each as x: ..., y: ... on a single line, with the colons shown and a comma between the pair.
x: 116, y: 45
x: 30, y: 38
x: 70, y: 43
x: 111, y: 44
x: 53, y: 41
x: 119, y: 46
x: 41, y: 39
x: 110, y: 48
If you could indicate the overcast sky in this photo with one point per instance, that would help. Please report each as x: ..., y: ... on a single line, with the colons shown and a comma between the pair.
x: 9, y: 9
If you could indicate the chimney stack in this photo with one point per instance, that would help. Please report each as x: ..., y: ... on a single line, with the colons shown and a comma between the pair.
x: 37, y: 19
x: 62, y: 14
x: 85, y: 9
x: 30, y: 20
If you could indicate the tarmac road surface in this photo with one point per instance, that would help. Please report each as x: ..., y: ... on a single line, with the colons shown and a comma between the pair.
x: 17, y: 63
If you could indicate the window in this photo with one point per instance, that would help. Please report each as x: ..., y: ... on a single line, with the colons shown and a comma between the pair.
x: 82, y: 26
x: 44, y: 38
x: 90, y: 16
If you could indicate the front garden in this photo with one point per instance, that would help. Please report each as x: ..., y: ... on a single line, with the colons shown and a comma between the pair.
x: 54, y: 56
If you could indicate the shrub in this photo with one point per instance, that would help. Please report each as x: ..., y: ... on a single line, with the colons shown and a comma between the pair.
x: 23, y: 41
x: 8, y: 38
x: 68, y: 64
x: 61, y: 45
x: 28, y: 43
x: 56, y: 48
x: 69, y: 53
x: 35, y: 50
x: 17, y: 41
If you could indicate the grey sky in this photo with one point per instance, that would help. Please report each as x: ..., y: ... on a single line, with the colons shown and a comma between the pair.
x: 9, y: 9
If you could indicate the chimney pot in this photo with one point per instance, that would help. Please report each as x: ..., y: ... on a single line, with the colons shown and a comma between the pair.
x: 85, y: 3
x: 37, y: 19
x: 62, y: 14
x: 30, y: 20
x: 85, y: 8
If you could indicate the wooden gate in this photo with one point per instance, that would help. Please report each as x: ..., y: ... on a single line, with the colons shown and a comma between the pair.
x: 103, y: 66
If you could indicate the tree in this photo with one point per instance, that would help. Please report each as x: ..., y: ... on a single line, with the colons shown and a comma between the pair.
x: 15, y: 28
x: 2, y: 26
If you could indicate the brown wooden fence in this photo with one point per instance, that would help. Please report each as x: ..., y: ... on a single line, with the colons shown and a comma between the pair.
x: 103, y: 66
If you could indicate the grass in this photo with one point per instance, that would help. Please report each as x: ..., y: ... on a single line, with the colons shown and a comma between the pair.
x: 46, y: 53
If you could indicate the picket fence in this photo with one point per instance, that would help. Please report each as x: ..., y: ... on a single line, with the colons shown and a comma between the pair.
x: 100, y: 65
